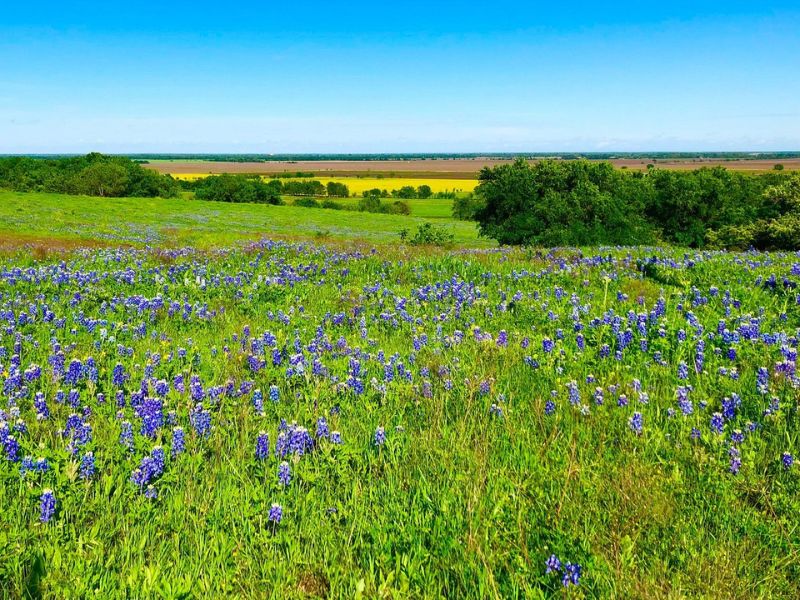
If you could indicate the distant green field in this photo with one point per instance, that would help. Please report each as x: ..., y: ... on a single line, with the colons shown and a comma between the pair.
x: 431, y: 208
x: 193, y: 222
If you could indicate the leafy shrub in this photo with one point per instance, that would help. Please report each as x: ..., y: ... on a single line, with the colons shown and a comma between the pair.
x: 307, y: 202
x: 239, y: 188
x: 428, y: 234
x: 466, y: 208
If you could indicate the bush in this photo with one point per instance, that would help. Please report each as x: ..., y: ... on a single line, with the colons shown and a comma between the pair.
x: 556, y: 203
x: 310, y: 187
x: 239, y: 188
x: 307, y: 202
x: 428, y: 234
x: 579, y: 203
x: 466, y: 209
x: 369, y: 204
x: 337, y: 190
x: 401, y: 207
x: 331, y: 204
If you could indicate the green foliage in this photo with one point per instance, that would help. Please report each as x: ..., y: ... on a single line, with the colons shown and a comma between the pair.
x: 369, y: 204
x: 466, y: 208
x: 779, y: 227
x: 428, y: 235
x: 406, y: 191
x: 424, y: 191
x: 93, y: 175
x: 238, y: 188
x: 332, y: 204
x: 307, y: 203
x: 560, y: 204
x: 337, y: 190
x: 310, y: 187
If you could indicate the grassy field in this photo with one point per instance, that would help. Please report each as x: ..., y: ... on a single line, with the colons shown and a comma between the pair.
x: 205, y: 224
x: 295, y: 420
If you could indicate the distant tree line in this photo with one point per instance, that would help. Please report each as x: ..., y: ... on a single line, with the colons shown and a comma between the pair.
x: 252, y: 188
x: 581, y: 203
x: 94, y: 175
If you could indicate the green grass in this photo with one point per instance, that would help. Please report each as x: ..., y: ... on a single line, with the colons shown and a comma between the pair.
x: 459, y: 502
x: 206, y: 224
x: 431, y: 208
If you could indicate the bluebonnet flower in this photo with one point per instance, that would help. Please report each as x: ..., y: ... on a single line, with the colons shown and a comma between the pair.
x: 695, y: 433
x: 284, y: 473
x: 552, y: 564
x: 126, y: 435
x: 547, y: 345
x: 572, y: 574
x: 717, y: 422
x: 74, y: 372
x: 87, y: 467
x: 380, y: 437
x: 47, y: 506
x: 549, y: 407
x: 683, y: 370
x: 496, y: 411
x: 736, y: 459
x: 787, y: 459
x: 200, y: 420
x: 322, y: 428
x: 161, y: 388
x: 178, y: 441
x: 275, y: 513
x: 336, y: 437
x: 762, y: 380
x: 635, y: 423
x: 150, y: 411
x: 151, y: 493
x: 274, y: 393
x: 574, y: 393
x: 118, y: 375
x: 40, y: 404
x: 262, y: 445
x: 737, y: 437
x: 258, y: 401
x: 11, y: 448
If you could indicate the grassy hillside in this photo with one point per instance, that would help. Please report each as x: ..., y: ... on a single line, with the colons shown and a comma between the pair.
x: 193, y: 222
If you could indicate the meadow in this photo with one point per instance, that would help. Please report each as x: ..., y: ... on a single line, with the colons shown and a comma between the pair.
x: 214, y: 400
x: 39, y: 217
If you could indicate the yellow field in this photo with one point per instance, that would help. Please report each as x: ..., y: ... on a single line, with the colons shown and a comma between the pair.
x: 358, y: 185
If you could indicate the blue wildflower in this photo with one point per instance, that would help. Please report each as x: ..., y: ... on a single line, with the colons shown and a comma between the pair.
x: 47, y: 506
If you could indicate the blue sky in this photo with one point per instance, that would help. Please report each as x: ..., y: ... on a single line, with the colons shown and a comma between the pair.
x: 399, y: 77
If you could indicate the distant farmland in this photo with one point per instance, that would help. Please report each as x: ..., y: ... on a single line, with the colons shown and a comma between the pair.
x: 459, y: 168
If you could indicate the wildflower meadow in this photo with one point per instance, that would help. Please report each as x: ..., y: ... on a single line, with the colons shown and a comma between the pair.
x: 285, y: 419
